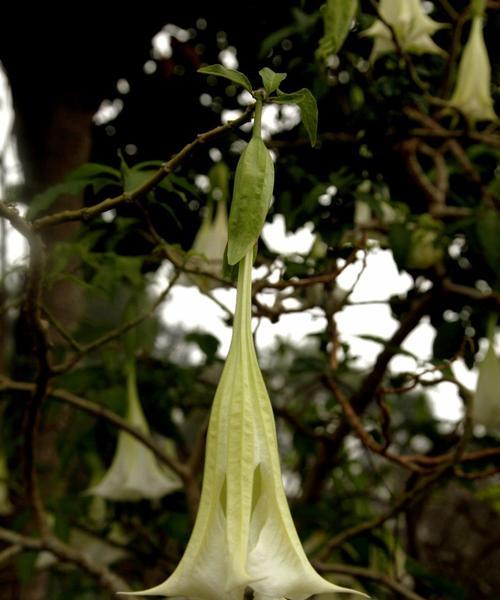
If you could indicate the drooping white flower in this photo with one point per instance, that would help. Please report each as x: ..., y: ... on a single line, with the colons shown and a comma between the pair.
x: 211, y: 239
x: 487, y: 399
x: 209, y: 245
x: 135, y: 473
x: 472, y: 95
x: 412, y: 27
x: 244, y: 535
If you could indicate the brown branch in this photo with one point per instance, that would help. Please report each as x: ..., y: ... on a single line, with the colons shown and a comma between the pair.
x: 488, y: 298
x: 371, y: 382
x: 66, y: 553
x: 32, y: 308
x: 405, y: 500
x: 370, y: 575
x: 101, y: 412
x: 10, y: 552
x: 327, y: 457
x: 89, y: 212
x: 410, y: 150
x: 109, y: 336
x: 454, y: 146
x: 365, y: 438
x: 329, y: 277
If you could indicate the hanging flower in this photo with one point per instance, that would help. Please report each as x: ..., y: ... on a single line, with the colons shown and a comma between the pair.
x: 412, y: 27
x: 135, y: 473
x: 210, y: 241
x: 244, y: 535
x: 487, y: 399
x: 472, y: 94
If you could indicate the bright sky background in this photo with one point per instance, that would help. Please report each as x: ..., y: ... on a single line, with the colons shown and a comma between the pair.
x: 188, y: 308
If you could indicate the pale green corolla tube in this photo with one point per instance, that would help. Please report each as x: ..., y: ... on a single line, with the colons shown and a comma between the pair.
x: 412, y: 27
x: 244, y: 535
x: 209, y: 246
x: 472, y: 95
x: 135, y: 473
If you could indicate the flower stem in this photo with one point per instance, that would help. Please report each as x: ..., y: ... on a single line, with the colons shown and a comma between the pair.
x: 257, y: 122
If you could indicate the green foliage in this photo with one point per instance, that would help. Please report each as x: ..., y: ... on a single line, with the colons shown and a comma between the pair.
x: 271, y: 80
x: 392, y: 176
x: 91, y: 175
x: 308, y: 109
x: 253, y: 187
x: 231, y: 74
x: 337, y: 18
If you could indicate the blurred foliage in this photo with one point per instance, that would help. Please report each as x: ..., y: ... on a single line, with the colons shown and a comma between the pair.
x: 393, y: 169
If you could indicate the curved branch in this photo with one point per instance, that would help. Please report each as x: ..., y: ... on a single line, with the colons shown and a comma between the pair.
x: 104, y: 577
x: 370, y: 575
x: 89, y: 212
x: 102, y: 412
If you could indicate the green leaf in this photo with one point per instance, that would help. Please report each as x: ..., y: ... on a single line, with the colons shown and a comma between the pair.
x: 448, y: 340
x: 337, y: 18
x: 134, y: 177
x: 253, y: 188
x: 308, y: 109
x: 25, y: 566
x: 271, y: 80
x: 229, y: 272
x: 303, y: 23
x: 400, y: 241
x: 231, y: 74
x: 90, y: 174
x: 488, y: 231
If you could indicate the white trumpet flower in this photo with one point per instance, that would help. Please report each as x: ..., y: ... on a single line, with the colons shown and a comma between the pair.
x: 209, y: 245
x: 487, y: 399
x: 412, y: 27
x: 135, y: 473
x: 472, y: 95
x: 244, y: 535
x: 207, y: 252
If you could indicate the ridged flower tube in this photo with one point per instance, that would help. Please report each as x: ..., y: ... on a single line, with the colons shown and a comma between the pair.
x: 244, y: 535
x: 412, y: 27
x: 134, y: 473
x: 210, y: 242
x: 472, y: 95
x: 207, y: 252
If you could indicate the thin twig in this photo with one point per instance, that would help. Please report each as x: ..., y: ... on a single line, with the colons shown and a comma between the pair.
x: 66, y: 553
x: 369, y: 575
x: 89, y: 212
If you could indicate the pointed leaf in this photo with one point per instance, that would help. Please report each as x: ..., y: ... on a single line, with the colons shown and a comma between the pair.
x: 337, y: 18
x: 253, y: 188
x: 308, y: 109
x: 231, y: 74
x: 90, y: 174
x: 271, y: 80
